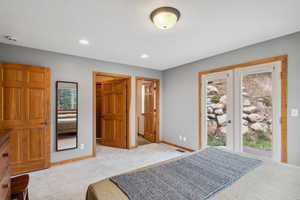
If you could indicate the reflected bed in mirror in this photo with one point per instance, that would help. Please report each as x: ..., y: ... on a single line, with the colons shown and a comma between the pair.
x: 66, y: 115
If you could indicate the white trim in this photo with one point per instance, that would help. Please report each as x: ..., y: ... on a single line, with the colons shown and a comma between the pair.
x: 234, y: 79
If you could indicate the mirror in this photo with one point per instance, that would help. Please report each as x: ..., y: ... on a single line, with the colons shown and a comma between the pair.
x: 66, y: 115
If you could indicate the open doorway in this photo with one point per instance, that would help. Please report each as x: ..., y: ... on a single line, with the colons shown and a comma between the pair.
x: 147, y: 110
x: 111, y: 109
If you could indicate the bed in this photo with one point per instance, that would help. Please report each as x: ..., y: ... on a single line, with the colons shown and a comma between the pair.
x: 268, y: 181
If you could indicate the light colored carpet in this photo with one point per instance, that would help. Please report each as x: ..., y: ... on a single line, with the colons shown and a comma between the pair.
x: 142, y: 140
x: 70, y: 181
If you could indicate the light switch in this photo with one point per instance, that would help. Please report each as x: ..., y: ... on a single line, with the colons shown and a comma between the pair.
x: 294, y: 112
x: 81, y: 146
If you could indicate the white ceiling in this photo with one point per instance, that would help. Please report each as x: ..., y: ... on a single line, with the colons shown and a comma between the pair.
x: 120, y: 30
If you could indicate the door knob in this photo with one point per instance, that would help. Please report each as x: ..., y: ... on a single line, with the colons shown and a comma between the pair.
x: 44, y: 123
x: 229, y: 122
x: 5, y: 155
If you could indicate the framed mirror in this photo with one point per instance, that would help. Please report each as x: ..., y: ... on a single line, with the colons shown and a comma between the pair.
x: 66, y: 115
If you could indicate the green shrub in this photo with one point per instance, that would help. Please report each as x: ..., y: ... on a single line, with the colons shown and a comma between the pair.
x: 257, y: 140
x: 216, y: 98
x: 213, y: 141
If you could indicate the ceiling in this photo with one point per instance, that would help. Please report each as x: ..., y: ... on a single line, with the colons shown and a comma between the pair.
x: 120, y: 30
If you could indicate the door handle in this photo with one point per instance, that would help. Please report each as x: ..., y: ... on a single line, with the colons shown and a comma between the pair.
x: 44, y: 123
x: 229, y: 122
x: 4, y: 155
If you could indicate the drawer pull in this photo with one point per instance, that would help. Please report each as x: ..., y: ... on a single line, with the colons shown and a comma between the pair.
x: 5, y: 186
x: 5, y: 155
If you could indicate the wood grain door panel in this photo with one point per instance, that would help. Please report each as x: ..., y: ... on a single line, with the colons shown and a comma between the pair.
x: 25, y: 108
x: 98, y: 111
x: 150, y: 111
x: 113, y: 113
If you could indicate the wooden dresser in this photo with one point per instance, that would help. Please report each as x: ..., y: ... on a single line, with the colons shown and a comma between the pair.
x: 4, y: 167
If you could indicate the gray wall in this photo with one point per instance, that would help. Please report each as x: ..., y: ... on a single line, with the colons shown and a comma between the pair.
x: 72, y: 68
x: 180, y: 87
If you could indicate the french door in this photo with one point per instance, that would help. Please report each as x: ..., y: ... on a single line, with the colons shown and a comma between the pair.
x: 241, y: 110
x: 218, y: 109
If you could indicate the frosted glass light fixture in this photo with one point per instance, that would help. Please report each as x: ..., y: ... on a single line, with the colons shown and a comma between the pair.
x: 165, y: 17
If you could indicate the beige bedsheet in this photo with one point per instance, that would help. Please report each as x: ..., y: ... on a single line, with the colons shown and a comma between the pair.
x: 270, y: 181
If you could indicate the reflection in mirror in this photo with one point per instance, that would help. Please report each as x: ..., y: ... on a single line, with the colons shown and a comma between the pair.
x: 66, y: 115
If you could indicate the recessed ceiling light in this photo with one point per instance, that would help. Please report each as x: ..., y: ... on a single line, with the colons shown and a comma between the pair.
x: 144, y: 56
x: 84, y: 42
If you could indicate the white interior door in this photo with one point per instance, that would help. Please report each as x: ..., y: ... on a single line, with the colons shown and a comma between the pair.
x: 217, y: 109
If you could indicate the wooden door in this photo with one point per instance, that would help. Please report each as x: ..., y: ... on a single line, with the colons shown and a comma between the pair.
x: 150, y: 111
x: 113, y: 113
x: 98, y: 112
x: 25, y: 109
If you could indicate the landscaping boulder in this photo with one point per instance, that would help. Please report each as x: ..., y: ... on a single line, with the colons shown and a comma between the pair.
x: 210, y: 110
x: 222, y: 120
x: 223, y: 100
x: 246, y: 102
x: 212, y: 90
x: 254, y: 117
x: 211, y: 116
x: 217, y: 106
x: 212, y: 127
x: 222, y: 130
x: 245, y: 116
x: 259, y: 127
x: 249, y: 110
x: 219, y: 112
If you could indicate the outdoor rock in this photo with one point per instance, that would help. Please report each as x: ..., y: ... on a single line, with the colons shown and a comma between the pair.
x: 250, y: 109
x: 255, y: 117
x: 211, y: 116
x: 246, y: 102
x: 259, y: 127
x: 223, y: 100
x: 219, y: 111
x: 217, y: 106
x: 222, y: 120
x: 211, y: 90
x: 245, y: 116
x: 212, y: 127
x: 210, y: 110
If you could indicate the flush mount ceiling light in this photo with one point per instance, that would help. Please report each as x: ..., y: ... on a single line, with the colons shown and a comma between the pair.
x: 165, y: 17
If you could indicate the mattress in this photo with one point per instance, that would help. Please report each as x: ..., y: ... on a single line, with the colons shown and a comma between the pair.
x: 269, y: 181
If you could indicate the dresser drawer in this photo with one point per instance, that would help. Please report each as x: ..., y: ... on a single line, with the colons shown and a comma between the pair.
x: 5, y: 186
x: 4, y: 159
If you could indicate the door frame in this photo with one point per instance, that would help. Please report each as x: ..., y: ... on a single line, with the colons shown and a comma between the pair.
x: 284, y: 74
x: 128, y: 103
x: 137, y: 94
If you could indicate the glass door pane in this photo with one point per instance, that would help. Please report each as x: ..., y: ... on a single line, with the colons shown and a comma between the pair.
x: 257, y: 113
x: 218, y: 109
